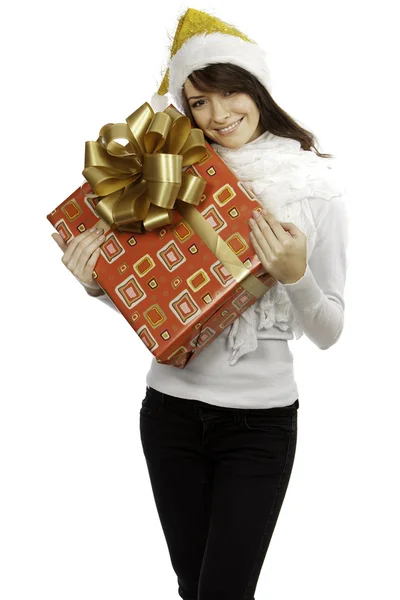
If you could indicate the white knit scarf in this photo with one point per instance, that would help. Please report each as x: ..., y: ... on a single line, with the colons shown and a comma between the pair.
x: 284, y: 178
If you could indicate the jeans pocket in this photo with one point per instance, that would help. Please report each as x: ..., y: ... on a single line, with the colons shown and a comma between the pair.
x: 145, y: 410
x: 273, y: 425
x: 151, y: 401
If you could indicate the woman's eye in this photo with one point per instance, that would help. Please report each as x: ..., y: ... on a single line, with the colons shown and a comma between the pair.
x: 199, y: 102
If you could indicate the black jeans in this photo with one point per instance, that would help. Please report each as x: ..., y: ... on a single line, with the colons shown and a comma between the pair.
x: 219, y: 477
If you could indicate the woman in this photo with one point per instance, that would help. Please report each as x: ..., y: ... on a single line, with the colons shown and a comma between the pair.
x: 219, y: 436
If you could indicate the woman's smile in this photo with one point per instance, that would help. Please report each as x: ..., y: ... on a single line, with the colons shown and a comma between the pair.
x: 231, y: 128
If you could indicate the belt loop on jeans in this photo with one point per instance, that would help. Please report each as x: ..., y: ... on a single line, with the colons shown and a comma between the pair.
x: 236, y: 416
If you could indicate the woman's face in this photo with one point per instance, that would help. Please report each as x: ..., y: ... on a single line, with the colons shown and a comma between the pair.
x: 215, y: 111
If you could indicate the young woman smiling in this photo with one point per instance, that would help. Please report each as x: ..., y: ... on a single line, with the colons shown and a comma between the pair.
x: 219, y: 436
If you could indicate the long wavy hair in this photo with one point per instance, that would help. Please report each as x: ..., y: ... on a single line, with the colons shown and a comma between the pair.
x: 225, y: 77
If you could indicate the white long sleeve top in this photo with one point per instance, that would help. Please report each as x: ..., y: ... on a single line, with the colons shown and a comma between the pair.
x: 265, y: 378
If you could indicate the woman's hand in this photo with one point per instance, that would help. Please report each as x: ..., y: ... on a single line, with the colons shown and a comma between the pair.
x: 281, y: 247
x: 80, y: 256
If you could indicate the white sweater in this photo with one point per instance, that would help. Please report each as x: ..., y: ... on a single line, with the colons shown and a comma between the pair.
x: 265, y: 378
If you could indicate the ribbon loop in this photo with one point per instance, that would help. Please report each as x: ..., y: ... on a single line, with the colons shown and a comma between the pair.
x: 117, y: 132
x: 157, y: 133
x: 191, y: 189
x: 192, y: 150
x: 139, y: 122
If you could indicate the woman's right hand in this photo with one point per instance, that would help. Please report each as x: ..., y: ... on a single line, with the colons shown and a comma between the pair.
x: 81, y: 254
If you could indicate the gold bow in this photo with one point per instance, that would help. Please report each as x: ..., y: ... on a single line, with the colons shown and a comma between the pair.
x: 141, y: 181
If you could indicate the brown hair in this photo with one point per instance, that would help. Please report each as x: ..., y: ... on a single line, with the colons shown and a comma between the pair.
x: 225, y: 77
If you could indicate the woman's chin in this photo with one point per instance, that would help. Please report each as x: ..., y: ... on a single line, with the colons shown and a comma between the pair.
x: 233, y: 142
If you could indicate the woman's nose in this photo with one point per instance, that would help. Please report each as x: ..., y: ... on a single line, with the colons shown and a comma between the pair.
x: 220, y: 113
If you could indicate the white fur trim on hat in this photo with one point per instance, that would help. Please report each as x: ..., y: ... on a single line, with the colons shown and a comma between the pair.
x: 210, y: 48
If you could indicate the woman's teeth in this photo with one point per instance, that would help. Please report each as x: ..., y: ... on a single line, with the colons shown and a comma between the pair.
x: 230, y: 128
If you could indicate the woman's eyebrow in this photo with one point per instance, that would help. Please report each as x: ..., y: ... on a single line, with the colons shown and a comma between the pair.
x: 193, y: 97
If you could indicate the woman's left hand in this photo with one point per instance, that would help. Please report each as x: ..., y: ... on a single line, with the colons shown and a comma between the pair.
x: 281, y: 247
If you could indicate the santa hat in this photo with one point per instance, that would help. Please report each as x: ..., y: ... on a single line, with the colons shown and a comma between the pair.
x: 201, y: 40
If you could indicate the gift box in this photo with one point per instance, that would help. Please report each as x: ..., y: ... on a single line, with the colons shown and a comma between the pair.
x: 177, y: 260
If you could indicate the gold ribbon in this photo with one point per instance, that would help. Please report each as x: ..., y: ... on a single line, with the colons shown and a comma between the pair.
x: 141, y: 182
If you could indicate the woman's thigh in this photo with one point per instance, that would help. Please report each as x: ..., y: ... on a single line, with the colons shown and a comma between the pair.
x: 250, y: 482
x: 180, y: 479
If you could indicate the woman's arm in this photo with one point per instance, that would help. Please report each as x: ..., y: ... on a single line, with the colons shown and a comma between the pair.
x: 317, y: 297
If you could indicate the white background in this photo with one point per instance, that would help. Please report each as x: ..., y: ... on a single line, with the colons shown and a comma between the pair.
x: 77, y: 516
